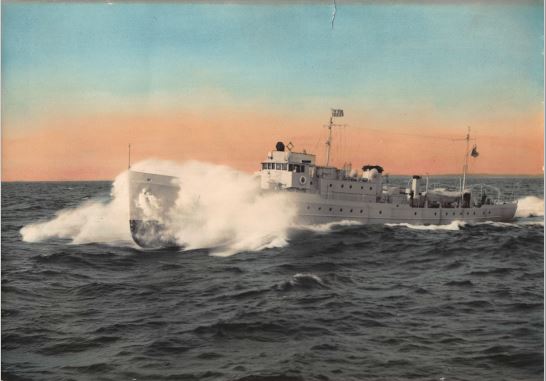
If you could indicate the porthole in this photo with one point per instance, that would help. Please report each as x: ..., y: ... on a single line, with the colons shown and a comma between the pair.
x: 371, y: 188
x: 319, y: 208
x: 311, y: 183
x: 361, y: 210
x: 330, y: 209
x: 380, y: 212
x: 446, y: 213
x: 414, y: 213
x: 489, y: 212
x: 434, y: 213
x: 308, y: 207
x: 330, y: 185
x: 340, y: 209
x: 351, y: 210
x: 468, y: 213
x: 350, y: 187
x: 474, y: 213
x: 361, y: 187
x: 342, y: 185
x: 397, y: 205
x: 483, y: 213
x: 453, y: 213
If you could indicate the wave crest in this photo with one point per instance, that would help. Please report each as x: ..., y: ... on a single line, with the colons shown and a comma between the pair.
x: 530, y: 206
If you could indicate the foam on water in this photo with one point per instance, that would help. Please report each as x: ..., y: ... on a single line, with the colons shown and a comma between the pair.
x: 92, y: 221
x: 217, y: 207
x: 455, y: 225
x: 530, y: 206
x: 327, y: 227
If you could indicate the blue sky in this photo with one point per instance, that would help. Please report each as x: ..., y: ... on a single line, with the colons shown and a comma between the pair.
x: 450, y: 55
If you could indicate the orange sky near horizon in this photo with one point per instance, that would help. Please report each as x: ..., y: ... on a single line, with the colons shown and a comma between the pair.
x: 95, y: 147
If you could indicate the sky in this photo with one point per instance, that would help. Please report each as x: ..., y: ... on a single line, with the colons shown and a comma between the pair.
x: 223, y: 82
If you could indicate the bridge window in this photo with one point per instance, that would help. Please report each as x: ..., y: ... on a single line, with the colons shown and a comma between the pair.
x: 284, y: 167
x: 295, y: 168
x: 278, y: 166
x: 264, y: 165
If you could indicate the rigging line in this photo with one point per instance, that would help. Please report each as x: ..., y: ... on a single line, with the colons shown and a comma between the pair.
x: 341, y: 157
x: 416, y: 135
x: 315, y: 147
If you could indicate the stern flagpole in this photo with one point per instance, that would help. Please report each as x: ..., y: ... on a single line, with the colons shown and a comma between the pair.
x: 465, y: 166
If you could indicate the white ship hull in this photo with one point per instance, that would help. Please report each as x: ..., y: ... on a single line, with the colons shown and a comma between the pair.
x: 153, y: 196
x: 312, y: 209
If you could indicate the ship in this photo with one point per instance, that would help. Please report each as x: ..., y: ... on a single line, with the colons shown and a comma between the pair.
x: 325, y: 194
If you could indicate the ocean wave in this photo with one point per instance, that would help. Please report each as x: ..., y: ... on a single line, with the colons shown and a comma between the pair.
x: 326, y: 227
x: 455, y: 225
x: 530, y: 206
x: 77, y: 344
x: 302, y: 281
x: 460, y: 283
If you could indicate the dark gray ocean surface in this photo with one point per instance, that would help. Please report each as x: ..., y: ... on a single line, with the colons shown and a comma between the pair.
x: 337, y: 303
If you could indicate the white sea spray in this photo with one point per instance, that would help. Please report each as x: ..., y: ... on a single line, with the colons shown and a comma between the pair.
x: 530, y: 206
x: 217, y: 207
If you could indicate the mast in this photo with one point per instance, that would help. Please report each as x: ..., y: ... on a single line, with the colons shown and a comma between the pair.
x: 329, y: 141
x: 129, y: 162
x: 465, y: 166
x: 335, y: 113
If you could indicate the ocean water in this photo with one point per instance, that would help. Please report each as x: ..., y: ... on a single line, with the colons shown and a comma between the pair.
x: 332, y: 302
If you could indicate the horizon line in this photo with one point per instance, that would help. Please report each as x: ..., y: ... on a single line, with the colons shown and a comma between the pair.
x: 389, y: 174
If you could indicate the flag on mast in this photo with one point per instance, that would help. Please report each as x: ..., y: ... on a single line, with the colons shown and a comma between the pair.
x: 337, y: 113
x: 474, y: 152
